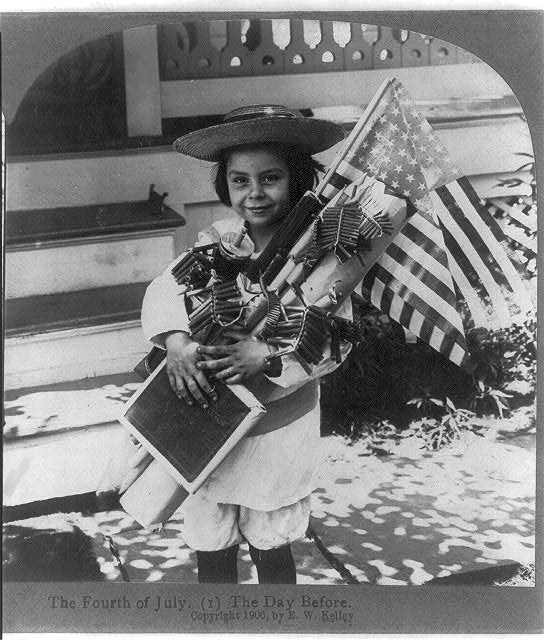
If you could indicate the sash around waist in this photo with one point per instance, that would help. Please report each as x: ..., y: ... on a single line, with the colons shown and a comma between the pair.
x: 283, y: 411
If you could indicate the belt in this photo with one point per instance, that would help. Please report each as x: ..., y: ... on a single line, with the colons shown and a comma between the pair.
x: 283, y: 411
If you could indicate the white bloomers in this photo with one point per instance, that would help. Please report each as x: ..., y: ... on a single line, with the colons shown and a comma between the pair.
x: 212, y: 526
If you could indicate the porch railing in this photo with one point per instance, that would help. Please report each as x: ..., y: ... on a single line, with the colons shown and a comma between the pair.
x: 214, y: 49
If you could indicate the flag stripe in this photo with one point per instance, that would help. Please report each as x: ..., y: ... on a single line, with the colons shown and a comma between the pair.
x: 349, y: 172
x: 459, y: 213
x: 396, y: 307
x: 459, y: 356
x: 426, y: 332
x: 419, y: 237
x: 431, y: 256
x: 419, y: 304
x: 417, y: 270
x: 416, y: 322
x: 482, y: 222
x: 444, y: 342
x: 466, y: 267
x: 404, y: 283
x: 376, y: 288
x: 470, y: 259
x: 518, y: 235
x: 405, y: 317
x: 473, y: 301
x: 475, y: 201
x: 387, y: 300
x: 529, y: 222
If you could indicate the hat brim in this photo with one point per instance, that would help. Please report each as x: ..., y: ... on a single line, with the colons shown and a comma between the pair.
x: 312, y: 134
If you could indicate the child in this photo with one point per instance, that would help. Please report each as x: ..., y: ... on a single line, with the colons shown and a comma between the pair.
x: 261, y: 492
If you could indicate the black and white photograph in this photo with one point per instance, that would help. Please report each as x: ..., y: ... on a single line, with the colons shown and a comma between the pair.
x: 270, y: 321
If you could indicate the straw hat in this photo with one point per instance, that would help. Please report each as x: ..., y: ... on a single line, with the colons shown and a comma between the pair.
x: 260, y: 124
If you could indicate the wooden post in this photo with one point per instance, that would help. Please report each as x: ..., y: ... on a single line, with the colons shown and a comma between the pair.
x: 142, y: 82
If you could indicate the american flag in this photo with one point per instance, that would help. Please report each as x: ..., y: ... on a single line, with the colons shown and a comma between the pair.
x: 486, y: 279
x: 398, y: 147
x: 449, y: 251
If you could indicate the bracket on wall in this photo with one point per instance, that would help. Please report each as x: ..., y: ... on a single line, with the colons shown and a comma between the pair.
x: 156, y: 200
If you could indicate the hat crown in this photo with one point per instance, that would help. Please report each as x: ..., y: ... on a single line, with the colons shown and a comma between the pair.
x: 260, y: 124
x: 250, y: 112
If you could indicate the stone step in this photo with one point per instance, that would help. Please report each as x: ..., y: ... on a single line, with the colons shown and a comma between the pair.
x: 65, y: 354
x: 70, y: 248
x: 77, y: 264
x: 68, y: 310
x: 31, y: 226
x: 64, y: 439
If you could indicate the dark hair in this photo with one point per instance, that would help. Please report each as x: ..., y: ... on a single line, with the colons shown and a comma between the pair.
x: 303, y: 170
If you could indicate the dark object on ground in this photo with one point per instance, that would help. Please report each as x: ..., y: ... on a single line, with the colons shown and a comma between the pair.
x: 330, y: 558
x: 90, y: 502
x: 48, y: 555
x: 489, y: 576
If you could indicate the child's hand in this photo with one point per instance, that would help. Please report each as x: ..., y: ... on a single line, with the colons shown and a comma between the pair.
x: 186, y: 379
x: 231, y: 363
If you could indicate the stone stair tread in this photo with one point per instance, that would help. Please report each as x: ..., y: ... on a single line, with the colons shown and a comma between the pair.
x: 41, y: 225
x: 67, y: 310
x: 55, y: 408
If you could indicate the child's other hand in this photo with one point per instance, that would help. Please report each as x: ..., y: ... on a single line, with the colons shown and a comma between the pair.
x: 187, y: 380
x: 231, y: 363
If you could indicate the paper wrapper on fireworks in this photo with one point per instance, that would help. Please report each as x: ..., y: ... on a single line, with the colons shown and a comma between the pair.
x: 331, y: 281
x: 153, y: 497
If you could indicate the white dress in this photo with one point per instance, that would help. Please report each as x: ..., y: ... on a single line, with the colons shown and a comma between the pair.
x: 281, y: 466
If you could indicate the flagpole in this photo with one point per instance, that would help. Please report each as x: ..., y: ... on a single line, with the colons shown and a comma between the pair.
x: 353, y: 135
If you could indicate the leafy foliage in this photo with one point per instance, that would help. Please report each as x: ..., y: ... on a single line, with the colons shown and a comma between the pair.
x: 504, y: 355
x: 485, y: 398
x: 439, y: 432
x: 387, y: 381
x: 382, y: 374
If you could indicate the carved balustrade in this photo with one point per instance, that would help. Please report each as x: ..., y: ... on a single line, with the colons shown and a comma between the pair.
x: 259, y: 47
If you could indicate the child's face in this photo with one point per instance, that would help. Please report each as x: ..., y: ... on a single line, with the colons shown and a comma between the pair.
x: 258, y: 183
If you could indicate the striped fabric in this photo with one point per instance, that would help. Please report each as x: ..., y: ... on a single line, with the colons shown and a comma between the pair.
x: 521, y: 225
x: 413, y: 285
x: 432, y: 266
x: 473, y: 241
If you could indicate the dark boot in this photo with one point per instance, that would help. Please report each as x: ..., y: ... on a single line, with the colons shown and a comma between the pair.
x: 274, y: 566
x: 218, y: 566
